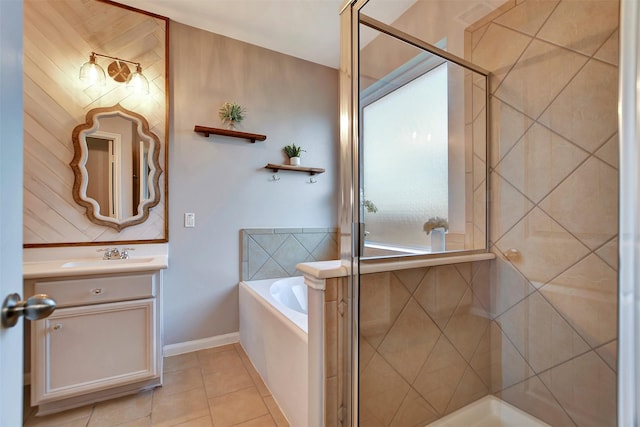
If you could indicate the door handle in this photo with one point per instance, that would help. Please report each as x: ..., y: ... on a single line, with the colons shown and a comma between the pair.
x: 36, y: 307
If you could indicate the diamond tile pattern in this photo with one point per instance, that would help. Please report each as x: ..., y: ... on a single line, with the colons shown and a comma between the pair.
x: 537, y: 326
x: 269, y: 253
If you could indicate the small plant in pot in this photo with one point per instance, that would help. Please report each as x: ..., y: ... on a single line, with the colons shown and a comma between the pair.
x: 293, y: 152
x: 231, y: 114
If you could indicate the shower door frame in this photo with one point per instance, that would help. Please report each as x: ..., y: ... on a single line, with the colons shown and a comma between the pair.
x: 351, y: 226
x: 629, y: 217
x: 629, y: 220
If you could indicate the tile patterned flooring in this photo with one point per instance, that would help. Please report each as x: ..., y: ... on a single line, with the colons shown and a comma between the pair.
x: 217, y: 387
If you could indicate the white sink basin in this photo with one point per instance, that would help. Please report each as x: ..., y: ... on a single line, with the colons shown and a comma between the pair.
x: 106, y: 262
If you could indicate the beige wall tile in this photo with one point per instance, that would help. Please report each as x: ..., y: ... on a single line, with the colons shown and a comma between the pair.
x: 586, y: 388
x: 534, y: 398
x: 507, y: 206
x: 539, y: 162
x: 440, y: 292
x: 586, y: 295
x: 497, y: 362
x: 507, y: 127
x: 440, y: 375
x: 586, y: 110
x: 609, y: 253
x: 382, y: 390
x: 538, y: 77
x: 499, y: 61
x: 382, y: 297
x: 592, y: 189
x: 610, y: 51
x: 365, y: 354
x: 592, y: 22
x: 540, y: 334
x: 237, y: 407
x: 414, y: 411
x: 411, y: 278
x: 410, y: 340
x: 499, y: 286
x: 470, y: 389
x: 609, y: 151
x: 331, y: 338
x: 466, y: 326
x: 546, y: 249
x: 332, y: 402
x: 609, y: 353
x: 528, y: 16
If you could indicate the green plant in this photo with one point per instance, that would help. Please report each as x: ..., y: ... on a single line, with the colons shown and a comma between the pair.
x: 292, y: 150
x: 436, y: 222
x: 370, y: 206
x: 232, y: 112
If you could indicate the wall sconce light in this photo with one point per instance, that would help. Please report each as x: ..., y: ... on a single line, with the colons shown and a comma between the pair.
x: 118, y: 70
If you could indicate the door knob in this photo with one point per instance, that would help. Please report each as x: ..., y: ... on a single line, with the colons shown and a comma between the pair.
x: 34, y: 308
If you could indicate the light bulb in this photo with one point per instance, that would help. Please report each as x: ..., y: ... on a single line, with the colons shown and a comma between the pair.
x: 138, y: 82
x: 92, y: 73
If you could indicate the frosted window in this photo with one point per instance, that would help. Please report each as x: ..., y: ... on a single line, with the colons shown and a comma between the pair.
x: 405, y: 150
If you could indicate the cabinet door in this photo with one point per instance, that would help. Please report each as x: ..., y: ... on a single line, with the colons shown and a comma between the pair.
x: 84, y: 349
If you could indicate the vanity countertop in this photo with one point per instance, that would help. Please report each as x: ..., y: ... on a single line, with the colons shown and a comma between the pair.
x: 68, y: 262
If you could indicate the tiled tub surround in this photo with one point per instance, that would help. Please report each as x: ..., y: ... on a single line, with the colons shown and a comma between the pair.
x: 554, y: 186
x: 270, y: 253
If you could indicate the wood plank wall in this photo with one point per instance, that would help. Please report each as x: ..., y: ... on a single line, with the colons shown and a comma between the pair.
x: 58, y: 38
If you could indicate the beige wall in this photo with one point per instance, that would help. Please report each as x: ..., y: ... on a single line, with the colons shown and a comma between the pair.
x: 58, y: 38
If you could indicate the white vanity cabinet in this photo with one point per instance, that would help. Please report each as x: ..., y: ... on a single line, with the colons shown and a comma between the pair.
x: 103, y: 340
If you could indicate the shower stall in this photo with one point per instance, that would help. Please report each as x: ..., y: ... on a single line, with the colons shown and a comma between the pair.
x: 479, y: 146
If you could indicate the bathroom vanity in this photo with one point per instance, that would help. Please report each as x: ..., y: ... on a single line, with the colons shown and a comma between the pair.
x: 104, y: 339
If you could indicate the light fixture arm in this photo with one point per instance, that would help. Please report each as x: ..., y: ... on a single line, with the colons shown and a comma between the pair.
x: 94, y: 54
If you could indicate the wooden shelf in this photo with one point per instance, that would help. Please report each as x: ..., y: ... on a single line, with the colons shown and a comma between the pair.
x: 206, y: 131
x: 310, y: 171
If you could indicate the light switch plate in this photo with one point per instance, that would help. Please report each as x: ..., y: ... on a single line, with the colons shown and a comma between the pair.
x: 189, y: 220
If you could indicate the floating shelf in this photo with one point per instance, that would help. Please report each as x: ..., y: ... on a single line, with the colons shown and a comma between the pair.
x: 206, y: 131
x: 310, y: 171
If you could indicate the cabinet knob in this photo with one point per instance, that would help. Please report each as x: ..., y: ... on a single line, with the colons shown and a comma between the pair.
x: 57, y: 326
x: 97, y: 291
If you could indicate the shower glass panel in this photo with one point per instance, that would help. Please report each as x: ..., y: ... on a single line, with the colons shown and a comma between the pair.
x: 532, y: 333
x: 423, y: 149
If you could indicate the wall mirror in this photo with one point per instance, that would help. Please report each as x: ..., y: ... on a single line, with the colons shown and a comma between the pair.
x: 116, y: 167
x: 423, y: 144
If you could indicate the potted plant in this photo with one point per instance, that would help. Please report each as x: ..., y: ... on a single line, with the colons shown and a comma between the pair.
x: 293, y: 152
x: 231, y: 114
x: 437, y: 227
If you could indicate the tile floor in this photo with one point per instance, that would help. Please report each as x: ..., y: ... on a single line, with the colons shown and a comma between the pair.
x: 217, y: 387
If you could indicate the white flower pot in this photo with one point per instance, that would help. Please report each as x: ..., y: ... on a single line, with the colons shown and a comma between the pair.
x: 294, y: 161
x: 438, y: 240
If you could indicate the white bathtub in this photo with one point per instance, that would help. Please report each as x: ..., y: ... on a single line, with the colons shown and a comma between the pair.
x: 273, y: 332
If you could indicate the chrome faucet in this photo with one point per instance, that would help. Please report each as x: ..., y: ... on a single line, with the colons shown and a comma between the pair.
x: 124, y: 253
x: 110, y: 253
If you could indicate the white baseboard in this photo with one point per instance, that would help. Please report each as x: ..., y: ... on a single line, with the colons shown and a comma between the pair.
x: 202, y: 344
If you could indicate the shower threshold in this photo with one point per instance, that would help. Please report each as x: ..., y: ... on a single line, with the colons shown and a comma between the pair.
x: 489, y: 412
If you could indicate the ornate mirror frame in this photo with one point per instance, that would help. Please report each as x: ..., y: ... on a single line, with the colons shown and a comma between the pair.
x: 81, y: 174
